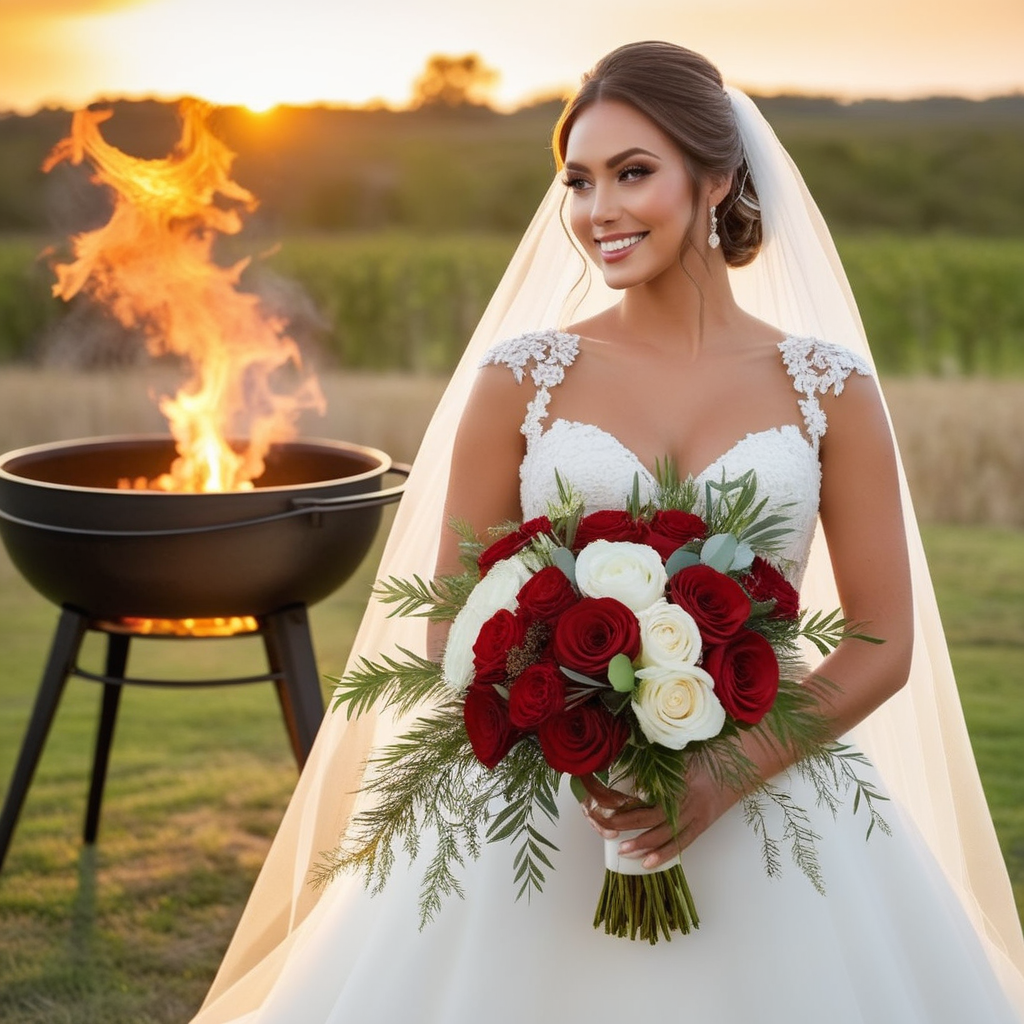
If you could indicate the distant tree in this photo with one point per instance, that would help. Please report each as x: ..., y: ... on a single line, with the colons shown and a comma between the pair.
x: 454, y: 82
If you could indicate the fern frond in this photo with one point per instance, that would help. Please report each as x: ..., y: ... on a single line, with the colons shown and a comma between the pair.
x: 439, y: 599
x: 391, y: 683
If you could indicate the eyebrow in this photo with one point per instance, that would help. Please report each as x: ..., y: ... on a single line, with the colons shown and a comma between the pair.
x: 615, y: 160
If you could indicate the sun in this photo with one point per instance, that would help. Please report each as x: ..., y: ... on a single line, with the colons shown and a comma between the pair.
x: 227, y: 54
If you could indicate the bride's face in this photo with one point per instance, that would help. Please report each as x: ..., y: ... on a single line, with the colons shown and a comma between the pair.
x: 632, y: 198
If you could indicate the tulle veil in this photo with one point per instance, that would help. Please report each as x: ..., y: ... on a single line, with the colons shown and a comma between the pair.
x: 918, y: 739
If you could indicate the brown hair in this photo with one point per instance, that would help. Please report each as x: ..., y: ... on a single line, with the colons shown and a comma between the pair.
x: 682, y: 93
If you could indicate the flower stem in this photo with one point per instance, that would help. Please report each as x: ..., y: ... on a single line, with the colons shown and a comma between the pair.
x: 646, y: 906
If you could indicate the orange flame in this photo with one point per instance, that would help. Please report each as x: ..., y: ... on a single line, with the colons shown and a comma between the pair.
x: 234, y: 625
x: 152, y: 266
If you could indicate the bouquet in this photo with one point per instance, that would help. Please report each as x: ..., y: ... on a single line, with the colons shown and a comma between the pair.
x: 620, y: 644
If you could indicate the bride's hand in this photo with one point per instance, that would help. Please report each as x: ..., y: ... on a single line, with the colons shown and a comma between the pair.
x: 612, y: 812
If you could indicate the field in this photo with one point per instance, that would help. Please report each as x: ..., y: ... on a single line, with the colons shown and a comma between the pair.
x: 132, y: 929
x: 938, y: 305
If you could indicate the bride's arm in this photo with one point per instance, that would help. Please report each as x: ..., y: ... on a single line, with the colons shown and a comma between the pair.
x: 863, y: 522
x: 483, y: 489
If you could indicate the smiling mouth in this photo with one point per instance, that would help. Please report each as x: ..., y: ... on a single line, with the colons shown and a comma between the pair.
x: 613, y: 250
x: 616, y: 245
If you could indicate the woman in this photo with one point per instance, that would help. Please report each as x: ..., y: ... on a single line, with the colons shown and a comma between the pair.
x: 670, y: 183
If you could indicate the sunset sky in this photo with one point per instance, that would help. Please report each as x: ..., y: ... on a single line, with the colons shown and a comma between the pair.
x: 260, y: 52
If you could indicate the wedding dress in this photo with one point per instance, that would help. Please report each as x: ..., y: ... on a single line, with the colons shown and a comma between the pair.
x: 888, y: 944
x: 914, y: 927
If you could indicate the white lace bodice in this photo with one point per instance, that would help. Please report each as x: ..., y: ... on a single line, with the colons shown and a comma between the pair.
x: 602, y: 469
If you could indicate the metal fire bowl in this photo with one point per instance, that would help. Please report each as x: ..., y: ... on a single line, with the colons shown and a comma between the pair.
x: 296, y: 537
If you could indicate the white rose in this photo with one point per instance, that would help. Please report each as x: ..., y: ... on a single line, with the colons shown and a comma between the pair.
x: 631, y: 573
x: 498, y: 589
x: 668, y: 635
x: 675, y: 706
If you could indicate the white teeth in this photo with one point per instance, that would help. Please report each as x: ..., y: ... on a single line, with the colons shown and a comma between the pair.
x: 619, y: 243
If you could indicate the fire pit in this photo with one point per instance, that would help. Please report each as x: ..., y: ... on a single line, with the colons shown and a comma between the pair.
x: 114, y: 559
x: 81, y: 541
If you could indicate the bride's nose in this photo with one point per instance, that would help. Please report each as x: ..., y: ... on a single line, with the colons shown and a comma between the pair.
x: 605, y: 207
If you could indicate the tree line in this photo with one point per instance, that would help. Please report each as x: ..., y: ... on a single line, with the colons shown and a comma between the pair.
x: 924, y: 166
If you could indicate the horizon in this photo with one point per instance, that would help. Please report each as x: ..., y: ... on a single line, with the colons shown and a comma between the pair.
x: 376, y: 106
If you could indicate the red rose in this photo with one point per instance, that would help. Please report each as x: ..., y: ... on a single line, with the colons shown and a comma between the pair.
x: 537, y: 694
x: 585, y: 739
x: 546, y: 594
x: 716, y: 601
x: 671, y: 529
x: 609, y: 525
x: 590, y: 633
x: 498, y: 635
x: 490, y: 732
x: 512, y: 542
x: 746, y: 675
x: 765, y: 583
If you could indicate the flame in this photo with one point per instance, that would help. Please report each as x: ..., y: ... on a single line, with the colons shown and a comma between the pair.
x: 233, y: 625
x: 151, y: 265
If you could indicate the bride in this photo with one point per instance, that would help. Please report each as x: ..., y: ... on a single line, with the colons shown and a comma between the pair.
x: 703, y: 239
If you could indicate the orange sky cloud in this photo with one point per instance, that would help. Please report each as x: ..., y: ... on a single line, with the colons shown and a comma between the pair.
x: 351, y: 51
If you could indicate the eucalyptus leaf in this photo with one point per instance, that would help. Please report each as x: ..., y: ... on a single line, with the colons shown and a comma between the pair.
x: 620, y: 674
x: 743, y: 558
x: 718, y: 551
x: 565, y: 560
x: 579, y: 677
x: 681, y: 559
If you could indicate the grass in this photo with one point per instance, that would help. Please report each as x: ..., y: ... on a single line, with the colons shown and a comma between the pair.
x: 132, y: 930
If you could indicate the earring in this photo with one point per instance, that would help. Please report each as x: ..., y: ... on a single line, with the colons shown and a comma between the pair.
x: 713, y: 239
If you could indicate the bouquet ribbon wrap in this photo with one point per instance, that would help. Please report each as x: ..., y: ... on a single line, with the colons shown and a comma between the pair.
x: 614, y: 861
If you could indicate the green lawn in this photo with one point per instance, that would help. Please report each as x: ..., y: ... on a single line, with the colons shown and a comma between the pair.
x: 132, y: 930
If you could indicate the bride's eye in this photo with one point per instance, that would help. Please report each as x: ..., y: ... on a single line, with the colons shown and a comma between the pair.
x: 634, y: 172
x: 574, y: 183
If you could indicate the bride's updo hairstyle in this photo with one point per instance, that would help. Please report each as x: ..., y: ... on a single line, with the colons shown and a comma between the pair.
x: 683, y: 94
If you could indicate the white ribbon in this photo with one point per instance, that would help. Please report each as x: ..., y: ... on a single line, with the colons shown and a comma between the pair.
x: 615, y: 861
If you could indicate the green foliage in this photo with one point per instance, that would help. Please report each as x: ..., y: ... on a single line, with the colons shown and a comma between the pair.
x: 27, y: 306
x: 395, y: 302
x: 939, y: 305
x: 390, y: 683
x: 438, y: 599
x: 430, y: 780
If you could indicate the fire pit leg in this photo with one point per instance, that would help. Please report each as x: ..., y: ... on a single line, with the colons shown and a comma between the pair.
x: 289, y: 646
x: 63, y: 651
x: 117, y: 662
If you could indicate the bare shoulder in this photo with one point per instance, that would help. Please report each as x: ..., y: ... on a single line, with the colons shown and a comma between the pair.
x: 598, y: 327
x: 497, y: 401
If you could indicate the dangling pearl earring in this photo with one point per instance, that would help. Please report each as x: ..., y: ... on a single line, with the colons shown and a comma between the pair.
x: 713, y: 239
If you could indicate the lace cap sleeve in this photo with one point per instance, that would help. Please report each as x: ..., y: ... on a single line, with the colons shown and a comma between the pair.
x: 546, y: 354
x: 818, y: 367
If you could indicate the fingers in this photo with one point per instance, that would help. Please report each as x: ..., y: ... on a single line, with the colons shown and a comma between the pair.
x: 654, y: 847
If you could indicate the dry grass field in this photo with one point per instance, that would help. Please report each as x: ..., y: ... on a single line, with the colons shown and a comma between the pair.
x: 960, y: 438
